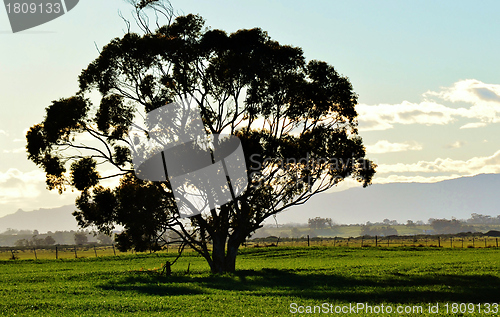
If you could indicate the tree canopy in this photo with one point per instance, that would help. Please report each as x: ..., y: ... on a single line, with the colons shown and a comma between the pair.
x: 296, y: 121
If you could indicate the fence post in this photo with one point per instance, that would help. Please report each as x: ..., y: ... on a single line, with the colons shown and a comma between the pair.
x: 497, y: 242
x: 114, y: 252
x: 34, y: 250
x: 95, y: 251
x: 439, y: 242
x: 56, y: 253
x: 307, y: 240
x: 376, y: 241
x: 76, y: 256
x: 485, y: 242
x: 451, y: 242
x: 473, y: 242
x: 334, y: 241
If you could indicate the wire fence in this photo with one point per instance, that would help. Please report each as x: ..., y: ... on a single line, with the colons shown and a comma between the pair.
x: 86, y: 251
x: 375, y: 241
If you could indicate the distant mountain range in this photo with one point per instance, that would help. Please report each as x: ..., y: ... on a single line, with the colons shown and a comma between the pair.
x: 43, y: 220
x: 457, y: 198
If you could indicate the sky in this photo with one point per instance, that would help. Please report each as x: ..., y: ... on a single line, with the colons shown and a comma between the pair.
x: 426, y: 72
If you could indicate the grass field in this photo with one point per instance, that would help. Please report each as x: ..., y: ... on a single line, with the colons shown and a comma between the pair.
x: 269, y: 282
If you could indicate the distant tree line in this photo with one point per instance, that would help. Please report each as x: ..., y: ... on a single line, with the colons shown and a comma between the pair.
x: 372, y: 231
x: 32, y: 238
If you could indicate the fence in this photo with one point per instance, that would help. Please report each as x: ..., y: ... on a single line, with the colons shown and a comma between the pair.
x: 85, y: 251
x: 68, y: 251
x: 391, y: 241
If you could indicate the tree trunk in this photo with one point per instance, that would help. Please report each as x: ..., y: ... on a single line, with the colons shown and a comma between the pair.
x: 224, y: 260
x: 218, y: 255
x: 232, y: 251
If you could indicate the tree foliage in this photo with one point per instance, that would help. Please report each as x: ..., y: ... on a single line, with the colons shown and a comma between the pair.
x: 296, y: 121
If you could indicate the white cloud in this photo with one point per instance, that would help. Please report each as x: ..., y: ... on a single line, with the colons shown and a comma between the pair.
x: 18, y: 150
x: 469, y: 91
x: 473, y: 166
x: 15, y: 185
x: 27, y: 190
x: 455, y: 145
x: 484, y: 100
x: 3, y: 132
x: 384, y: 116
x: 413, y: 179
x: 473, y: 125
x: 384, y: 146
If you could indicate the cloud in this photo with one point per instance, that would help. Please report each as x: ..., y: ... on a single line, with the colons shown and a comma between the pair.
x: 15, y: 185
x: 469, y: 91
x: 27, y: 190
x: 473, y: 166
x: 413, y: 179
x: 18, y: 150
x: 384, y: 146
x: 455, y: 145
x: 384, y: 116
x: 473, y: 125
x: 3, y: 132
x: 484, y: 100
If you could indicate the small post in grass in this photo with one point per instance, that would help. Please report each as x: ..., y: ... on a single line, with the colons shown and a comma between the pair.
x: 334, y: 241
x: 388, y: 241
x: 462, y: 242
x: 76, y: 256
x: 497, y: 242
x: 376, y: 241
x: 308, y: 240
x: 451, y: 242
x: 95, y: 251
x: 114, y: 252
x: 439, y: 242
x: 473, y: 242
x: 485, y: 242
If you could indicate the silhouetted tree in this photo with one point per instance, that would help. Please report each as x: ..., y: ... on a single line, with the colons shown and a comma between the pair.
x: 320, y: 223
x: 410, y: 223
x: 81, y: 238
x: 104, y: 239
x: 281, y: 107
x: 49, y: 240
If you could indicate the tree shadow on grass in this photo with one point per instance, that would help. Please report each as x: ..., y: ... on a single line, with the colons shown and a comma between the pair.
x: 321, y: 286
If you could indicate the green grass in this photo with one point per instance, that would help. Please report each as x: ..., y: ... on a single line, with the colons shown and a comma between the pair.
x: 267, y: 282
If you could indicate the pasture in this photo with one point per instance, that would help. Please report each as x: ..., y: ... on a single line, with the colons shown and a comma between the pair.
x: 270, y: 281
